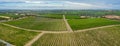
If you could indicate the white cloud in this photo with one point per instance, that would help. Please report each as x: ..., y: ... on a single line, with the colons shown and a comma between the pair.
x: 58, y: 4
x: 82, y: 4
x: 34, y: 2
x: 12, y: 0
x: 61, y: 3
x: 41, y: 3
x: 75, y: 3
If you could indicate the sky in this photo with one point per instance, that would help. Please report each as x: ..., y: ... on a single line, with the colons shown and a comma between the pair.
x: 59, y: 4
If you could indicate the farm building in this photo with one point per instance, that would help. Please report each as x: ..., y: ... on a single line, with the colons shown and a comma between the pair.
x: 30, y: 14
x: 25, y: 14
x: 84, y: 17
x: 19, y: 14
x: 112, y: 17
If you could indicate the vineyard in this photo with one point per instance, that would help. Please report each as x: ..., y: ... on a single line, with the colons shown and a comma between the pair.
x: 78, y: 24
x: 54, y: 16
x: 15, y: 36
x: 105, y: 37
x: 40, y: 23
x: 72, y: 17
x: 58, y: 28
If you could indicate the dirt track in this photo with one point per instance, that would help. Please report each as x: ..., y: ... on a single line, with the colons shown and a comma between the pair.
x: 59, y: 31
x: 67, y: 25
x: 96, y: 28
x: 34, y: 39
x: 56, y: 32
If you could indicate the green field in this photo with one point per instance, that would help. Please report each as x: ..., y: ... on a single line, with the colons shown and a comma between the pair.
x: 72, y: 16
x: 54, y: 16
x: 40, y: 23
x: 54, y: 30
x: 99, y: 37
x: 15, y: 36
x: 78, y: 24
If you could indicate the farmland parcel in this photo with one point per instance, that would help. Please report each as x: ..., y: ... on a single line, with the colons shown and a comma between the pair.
x: 105, y: 37
x: 15, y: 36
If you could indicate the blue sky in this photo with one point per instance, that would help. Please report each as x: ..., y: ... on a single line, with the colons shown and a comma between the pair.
x: 59, y: 4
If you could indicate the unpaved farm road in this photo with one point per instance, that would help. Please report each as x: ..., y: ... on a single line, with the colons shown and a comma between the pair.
x: 59, y: 31
x: 67, y: 25
x: 56, y: 32
x: 69, y: 30
x: 18, y: 27
x: 34, y: 39
x: 96, y: 28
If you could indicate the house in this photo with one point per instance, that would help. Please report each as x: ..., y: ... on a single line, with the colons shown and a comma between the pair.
x: 16, y: 13
x: 30, y: 14
x: 83, y: 17
x: 112, y: 17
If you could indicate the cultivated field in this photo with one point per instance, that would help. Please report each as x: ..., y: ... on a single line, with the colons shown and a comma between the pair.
x: 78, y: 24
x: 40, y: 23
x: 105, y: 37
x: 53, y: 28
x: 15, y: 36
x: 54, y: 16
x: 72, y: 16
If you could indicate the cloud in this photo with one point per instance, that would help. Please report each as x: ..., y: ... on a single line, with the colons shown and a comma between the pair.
x: 81, y: 4
x: 54, y: 4
x: 76, y: 5
x: 34, y: 2
x: 61, y: 3
x: 12, y: 0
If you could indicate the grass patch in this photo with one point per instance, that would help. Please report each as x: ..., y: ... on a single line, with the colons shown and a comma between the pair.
x: 78, y: 24
x: 39, y: 23
x: 99, y: 37
x: 15, y: 36
x: 2, y: 44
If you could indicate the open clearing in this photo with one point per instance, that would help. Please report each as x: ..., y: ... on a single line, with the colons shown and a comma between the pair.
x: 78, y: 24
x: 105, y: 37
x: 40, y: 23
x: 15, y: 36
